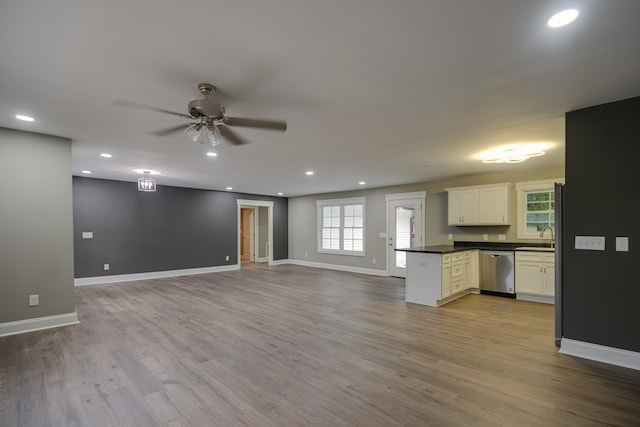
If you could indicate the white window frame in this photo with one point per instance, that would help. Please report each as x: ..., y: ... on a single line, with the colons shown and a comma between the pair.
x: 341, y: 203
x: 522, y: 188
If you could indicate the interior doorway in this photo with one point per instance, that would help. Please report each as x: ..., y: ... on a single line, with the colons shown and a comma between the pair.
x: 405, y: 228
x: 255, y: 231
x: 247, y: 234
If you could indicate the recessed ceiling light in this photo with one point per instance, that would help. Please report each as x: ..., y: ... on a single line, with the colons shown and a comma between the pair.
x: 309, y: 172
x: 212, y: 154
x: 280, y: 194
x: 362, y: 183
x: 107, y: 155
x: 563, y: 18
x: 229, y: 188
x: 147, y: 171
x: 24, y: 118
x: 87, y: 172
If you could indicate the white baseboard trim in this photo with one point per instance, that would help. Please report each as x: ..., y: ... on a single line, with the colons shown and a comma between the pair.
x: 600, y: 353
x: 98, y: 280
x: 37, y: 324
x: 262, y: 259
x: 536, y: 298
x: 279, y: 262
x: 370, y: 271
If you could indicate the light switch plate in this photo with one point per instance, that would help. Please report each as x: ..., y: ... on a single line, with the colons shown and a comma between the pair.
x: 485, y: 237
x: 622, y: 244
x: 106, y: 267
x: 590, y: 243
x: 450, y: 236
x: 34, y: 300
x: 502, y: 237
x: 87, y: 234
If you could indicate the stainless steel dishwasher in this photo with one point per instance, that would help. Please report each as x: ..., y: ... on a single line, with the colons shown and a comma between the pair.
x: 497, y: 273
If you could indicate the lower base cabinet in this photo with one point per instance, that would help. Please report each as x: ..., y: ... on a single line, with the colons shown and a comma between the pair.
x: 535, y: 273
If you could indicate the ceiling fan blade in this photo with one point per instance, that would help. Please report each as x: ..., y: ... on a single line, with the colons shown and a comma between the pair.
x: 129, y: 104
x: 231, y: 136
x: 256, y: 123
x: 169, y: 131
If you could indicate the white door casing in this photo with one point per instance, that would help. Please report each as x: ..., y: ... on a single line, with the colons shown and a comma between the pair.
x: 254, y: 204
x: 405, y: 228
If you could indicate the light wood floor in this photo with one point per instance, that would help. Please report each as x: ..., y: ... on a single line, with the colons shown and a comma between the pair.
x: 294, y: 346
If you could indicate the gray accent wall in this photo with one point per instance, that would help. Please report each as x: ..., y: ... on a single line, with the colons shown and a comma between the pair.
x: 36, y: 246
x: 302, y: 217
x: 172, y: 228
x: 601, y: 288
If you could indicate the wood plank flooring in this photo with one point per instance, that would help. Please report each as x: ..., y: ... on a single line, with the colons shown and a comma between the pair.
x: 295, y: 346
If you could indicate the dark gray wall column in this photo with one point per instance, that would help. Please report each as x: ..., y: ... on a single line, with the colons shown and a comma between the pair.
x: 601, y: 288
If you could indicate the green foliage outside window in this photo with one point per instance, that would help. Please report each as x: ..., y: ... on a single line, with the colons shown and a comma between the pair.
x: 540, y: 210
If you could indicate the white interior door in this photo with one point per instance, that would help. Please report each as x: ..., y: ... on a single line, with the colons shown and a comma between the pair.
x: 405, y: 230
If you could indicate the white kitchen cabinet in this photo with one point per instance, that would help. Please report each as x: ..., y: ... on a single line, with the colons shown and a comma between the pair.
x: 463, y: 207
x: 434, y: 278
x: 535, y: 276
x: 471, y: 269
x: 479, y: 205
x: 457, y: 272
x: 446, y: 276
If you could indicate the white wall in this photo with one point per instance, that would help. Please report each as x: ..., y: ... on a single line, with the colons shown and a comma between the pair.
x: 302, y: 217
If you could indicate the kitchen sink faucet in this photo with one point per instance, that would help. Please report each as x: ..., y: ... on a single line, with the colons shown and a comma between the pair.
x: 551, y: 230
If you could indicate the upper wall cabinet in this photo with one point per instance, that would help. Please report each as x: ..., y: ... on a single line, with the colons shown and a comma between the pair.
x: 479, y: 205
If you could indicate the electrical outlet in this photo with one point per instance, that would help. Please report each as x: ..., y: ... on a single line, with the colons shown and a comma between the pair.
x: 590, y: 243
x: 374, y: 260
x: 306, y: 254
x: 485, y: 237
x: 622, y: 244
x: 226, y: 258
x: 450, y: 236
x: 502, y: 237
x: 106, y: 267
x: 87, y: 234
x: 34, y: 300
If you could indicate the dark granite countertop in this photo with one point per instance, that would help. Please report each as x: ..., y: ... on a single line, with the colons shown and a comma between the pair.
x: 463, y: 246
x: 435, y: 249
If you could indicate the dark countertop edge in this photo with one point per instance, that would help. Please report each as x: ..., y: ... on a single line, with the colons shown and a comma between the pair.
x: 465, y: 246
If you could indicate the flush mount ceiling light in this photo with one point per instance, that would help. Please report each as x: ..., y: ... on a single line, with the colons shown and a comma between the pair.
x: 309, y: 172
x: 146, y: 183
x: 512, y: 155
x: 24, y: 118
x: 147, y: 171
x: 563, y: 18
x: 204, y: 132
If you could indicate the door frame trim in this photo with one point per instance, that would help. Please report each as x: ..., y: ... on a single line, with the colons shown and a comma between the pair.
x: 422, y: 195
x: 245, y: 203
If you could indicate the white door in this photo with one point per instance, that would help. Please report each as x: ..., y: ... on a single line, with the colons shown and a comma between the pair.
x: 405, y: 224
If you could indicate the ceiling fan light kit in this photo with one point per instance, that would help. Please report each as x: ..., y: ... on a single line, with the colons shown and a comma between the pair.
x: 212, y: 125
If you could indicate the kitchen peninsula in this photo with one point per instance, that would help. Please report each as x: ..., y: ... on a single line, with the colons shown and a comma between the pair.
x: 439, y: 274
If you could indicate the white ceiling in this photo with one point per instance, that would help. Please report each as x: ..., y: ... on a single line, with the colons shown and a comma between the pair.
x: 388, y: 92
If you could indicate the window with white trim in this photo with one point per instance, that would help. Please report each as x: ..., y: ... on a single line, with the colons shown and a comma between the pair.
x: 536, y: 207
x: 341, y: 226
